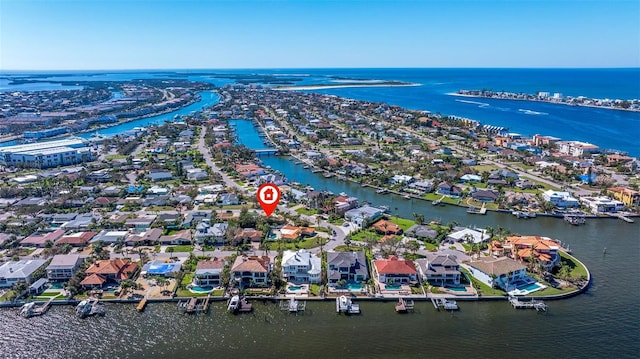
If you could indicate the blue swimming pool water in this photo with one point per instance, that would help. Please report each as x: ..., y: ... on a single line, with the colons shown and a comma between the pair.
x: 457, y: 289
x: 354, y: 286
x: 530, y: 287
x: 392, y: 286
x: 294, y: 288
x: 199, y: 289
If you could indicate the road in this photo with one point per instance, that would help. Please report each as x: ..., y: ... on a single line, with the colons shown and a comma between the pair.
x: 209, y: 161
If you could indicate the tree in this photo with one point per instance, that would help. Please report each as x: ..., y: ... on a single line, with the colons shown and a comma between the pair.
x: 347, y: 241
x: 413, y: 246
x: 419, y: 218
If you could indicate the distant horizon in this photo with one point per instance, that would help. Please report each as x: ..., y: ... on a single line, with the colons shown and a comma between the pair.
x: 316, y: 68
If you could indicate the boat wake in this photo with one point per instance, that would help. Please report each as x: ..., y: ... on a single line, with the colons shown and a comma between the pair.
x: 531, y: 112
x: 480, y: 104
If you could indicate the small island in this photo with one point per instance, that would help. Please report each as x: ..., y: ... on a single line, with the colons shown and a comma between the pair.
x: 556, y: 98
x: 364, y: 83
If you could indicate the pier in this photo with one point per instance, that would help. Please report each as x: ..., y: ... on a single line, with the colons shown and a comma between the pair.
x: 31, y: 309
x: 621, y: 217
x: 194, y: 305
x: 443, y: 303
x: 405, y: 306
x: 476, y: 210
x: 293, y: 305
x: 529, y: 304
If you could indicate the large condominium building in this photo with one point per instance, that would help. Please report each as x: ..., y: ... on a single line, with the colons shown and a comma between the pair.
x: 46, y: 154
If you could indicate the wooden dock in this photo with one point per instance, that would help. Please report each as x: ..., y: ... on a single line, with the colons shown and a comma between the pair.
x: 621, y: 217
x: 528, y: 304
x: 443, y: 303
x: 194, y: 305
x: 405, y: 306
x: 141, y: 305
x: 293, y: 305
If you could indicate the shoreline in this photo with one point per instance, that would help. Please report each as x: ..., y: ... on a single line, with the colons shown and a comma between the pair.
x: 349, y: 85
x: 542, y: 101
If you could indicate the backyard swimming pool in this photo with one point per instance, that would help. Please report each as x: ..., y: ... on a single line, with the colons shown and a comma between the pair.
x: 392, y: 286
x: 199, y: 289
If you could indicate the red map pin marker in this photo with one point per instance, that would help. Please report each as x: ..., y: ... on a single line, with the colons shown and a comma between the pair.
x: 268, y: 196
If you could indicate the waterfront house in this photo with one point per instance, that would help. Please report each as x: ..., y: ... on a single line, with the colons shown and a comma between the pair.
x: 386, y: 227
x: 422, y: 186
x: 483, y: 195
x: 422, y: 231
x: 601, y: 204
x: 504, y: 273
x: 447, y: 189
x: 341, y: 204
x: 300, y: 267
x: 346, y: 266
x: 161, y: 268
x: 209, y: 272
x: 560, y: 199
x: 545, y: 251
x: 251, y: 271
x: 468, y: 235
x: 40, y: 240
x: 13, y: 272
x: 63, y: 266
x: 394, y: 271
x: 439, y: 269
x: 625, y: 195
x: 108, y: 271
x: 363, y: 216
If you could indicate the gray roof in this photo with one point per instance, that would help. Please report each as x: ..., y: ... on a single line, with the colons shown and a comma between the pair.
x: 364, y: 211
x: 354, y: 260
x: 60, y: 261
x: 422, y: 231
x: 20, y: 269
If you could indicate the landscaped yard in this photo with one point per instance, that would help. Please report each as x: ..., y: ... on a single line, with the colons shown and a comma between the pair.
x: 482, y: 288
x: 577, y: 270
x: 306, y: 243
x: 182, y: 248
x: 306, y: 211
x: 402, y: 222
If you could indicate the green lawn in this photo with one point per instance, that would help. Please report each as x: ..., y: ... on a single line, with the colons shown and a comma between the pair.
x: 482, y: 288
x: 187, y: 293
x: 344, y: 248
x: 402, y: 222
x: 187, y: 279
x: 49, y: 294
x: 306, y: 211
x: 551, y: 291
x: 432, y: 247
x: 577, y: 270
x: 483, y: 168
x: 114, y: 157
x: 363, y: 234
x: 306, y: 243
x: 182, y: 248
x: 315, y: 290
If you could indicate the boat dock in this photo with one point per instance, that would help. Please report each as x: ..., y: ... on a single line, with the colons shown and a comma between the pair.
x: 32, y: 309
x: 438, y: 201
x: 622, y: 217
x: 444, y: 303
x: 404, y: 306
x: 194, y: 305
x: 293, y: 305
x: 345, y: 305
x: 529, y: 304
x: 476, y: 210
x: 575, y: 219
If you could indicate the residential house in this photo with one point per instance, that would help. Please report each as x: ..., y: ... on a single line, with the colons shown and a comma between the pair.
x: 217, y: 232
x: 346, y: 266
x: 13, y: 272
x: 422, y: 186
x: 193, y: 218
x: 208, y: 273
x: 625, y: 195
x: 251, y: 271
x: 545, y: 251
x: 197, y: 174
x: 82, y: 221
x: 145, y: 238
x: 483, y: 195
x: 248, y: 235
x: 439, y: 269
x: 386, y: 227
x: 341, y: 204
x: 401, y: 179
x: 461, y: 234
x: 300, y: 267
x: 447, y: 189
x: 157, y: 176
x: 601, y: 204
x: 470, y: 178
x: 178, y: 238
x: 140, y: 223
x: 63, y: 266
x: 40, y: 240
x: 78, y: 239
x: 422, y: 231
x: 394, y: 271
x: 228, y: 199
x: 294, y: 233
x: 108, y: 237
x: 560, y: 199
x: 108, y: 271
x: 363, y: 216
x: 504, y: 273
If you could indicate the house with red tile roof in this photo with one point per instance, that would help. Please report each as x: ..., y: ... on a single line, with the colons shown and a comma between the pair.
x: 294, y: 233
x: 394, y: 270
x: 251, y: 271
x: 543, y: 249
x: 40, y: 240
x: 108, y: 271
x: 385, y: 227
x: 78, y: 239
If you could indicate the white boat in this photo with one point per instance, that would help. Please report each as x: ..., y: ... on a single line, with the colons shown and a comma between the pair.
x: 345, y: 305
x: 89, y: 307
x: 26, y: 310
x: 233, y: 304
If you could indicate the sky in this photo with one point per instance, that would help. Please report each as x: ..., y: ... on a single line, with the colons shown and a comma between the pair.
x: 163, y: 34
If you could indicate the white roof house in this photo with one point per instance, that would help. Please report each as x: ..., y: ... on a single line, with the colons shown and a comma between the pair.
x: 301, y: 267
x: 469, y: 235
x: 363, y: 216
x: 560, y: 199
x: 13, y: 272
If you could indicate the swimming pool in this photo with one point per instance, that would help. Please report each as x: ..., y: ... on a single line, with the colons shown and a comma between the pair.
x: 354, y: 287
x: 199, y: 289
x: 392, y: 286
x: 457, y: 289
x: 294, y: 288
x: 531, y: 287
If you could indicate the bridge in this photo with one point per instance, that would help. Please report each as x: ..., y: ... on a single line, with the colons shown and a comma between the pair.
x: 266, y: 152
